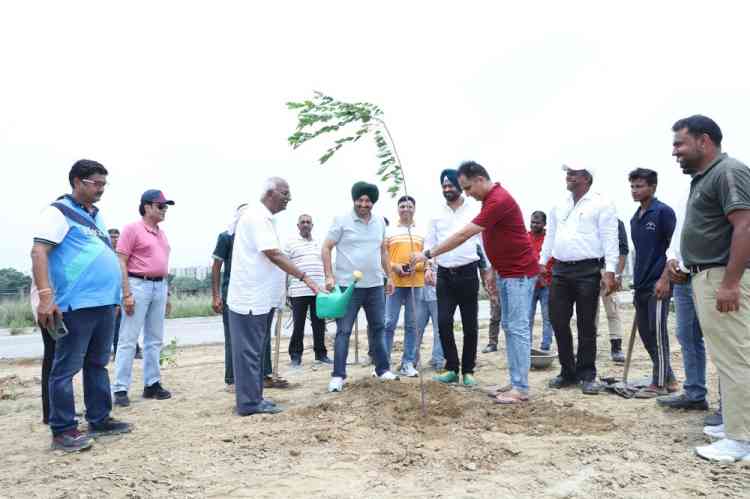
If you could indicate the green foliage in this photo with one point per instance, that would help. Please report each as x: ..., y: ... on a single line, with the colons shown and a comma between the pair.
x: 189, y: 283
x: 191, y: 306
x: 11, y: 279
x: 168, y: 355
x: 324, y: 115
x: 16, y: 313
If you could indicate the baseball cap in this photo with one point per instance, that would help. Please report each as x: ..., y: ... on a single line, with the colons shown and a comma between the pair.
x: 578, y: 168
x: 155, y: 196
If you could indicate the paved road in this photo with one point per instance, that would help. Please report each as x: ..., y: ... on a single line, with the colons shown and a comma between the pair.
x: 192, y: 331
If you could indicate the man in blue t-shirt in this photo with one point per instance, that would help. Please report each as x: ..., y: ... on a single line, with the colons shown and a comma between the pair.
x: 78, y: 280
x: 651, y: 228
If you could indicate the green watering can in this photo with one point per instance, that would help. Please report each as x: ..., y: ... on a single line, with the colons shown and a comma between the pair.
x: 333, y: 305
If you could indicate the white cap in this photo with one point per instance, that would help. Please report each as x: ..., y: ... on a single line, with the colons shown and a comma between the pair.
x: 579, y: 167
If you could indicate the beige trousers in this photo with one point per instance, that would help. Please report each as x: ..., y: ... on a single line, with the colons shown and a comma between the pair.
x: 613, y: 316
x: 728, y: 343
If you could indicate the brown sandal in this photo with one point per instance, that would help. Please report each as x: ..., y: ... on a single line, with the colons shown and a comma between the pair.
x: 275, y: 383
x: 511, y: 397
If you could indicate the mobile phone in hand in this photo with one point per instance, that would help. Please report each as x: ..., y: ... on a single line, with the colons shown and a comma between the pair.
x: 58, y: 330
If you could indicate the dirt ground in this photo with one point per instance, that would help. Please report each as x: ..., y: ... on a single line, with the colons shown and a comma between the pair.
x: 369, y: 441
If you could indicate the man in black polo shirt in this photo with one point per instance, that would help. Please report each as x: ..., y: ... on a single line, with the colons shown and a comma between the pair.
x: 651, y: 228
x: 715, y: 244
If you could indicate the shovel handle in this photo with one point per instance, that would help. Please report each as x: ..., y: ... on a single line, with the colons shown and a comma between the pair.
x: 629, y: 355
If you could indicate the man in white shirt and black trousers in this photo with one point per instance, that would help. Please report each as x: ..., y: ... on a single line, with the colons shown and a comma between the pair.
x: 256, y: 286
x: 457, y: 280
x: 582, y: 231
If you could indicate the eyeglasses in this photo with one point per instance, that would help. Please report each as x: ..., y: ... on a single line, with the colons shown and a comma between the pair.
x: 99, y: 183
x: 161, y: 206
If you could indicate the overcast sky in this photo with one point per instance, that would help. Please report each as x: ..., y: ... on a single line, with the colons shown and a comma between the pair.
x: 189, y: 97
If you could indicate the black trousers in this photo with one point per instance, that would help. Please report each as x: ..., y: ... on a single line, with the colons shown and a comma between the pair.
x: 645, y: 313
x: 458, y: 287
x: 49, y: 356
x: 300, y: 305
x: 576, y: 284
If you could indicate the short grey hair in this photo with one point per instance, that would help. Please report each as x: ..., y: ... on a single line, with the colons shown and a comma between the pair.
x: 270, y: 184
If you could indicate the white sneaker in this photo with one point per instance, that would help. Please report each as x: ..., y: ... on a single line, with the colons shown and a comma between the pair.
x: 724, y: 451
x: 336, y: 384
x: 388, y: 376
x: 715, y: 431
x: 408, y: 370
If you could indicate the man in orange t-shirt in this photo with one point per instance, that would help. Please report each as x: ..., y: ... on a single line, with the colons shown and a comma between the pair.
x: 402, y: 241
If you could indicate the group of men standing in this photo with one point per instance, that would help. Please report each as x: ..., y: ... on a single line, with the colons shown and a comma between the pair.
x: 568, y: 267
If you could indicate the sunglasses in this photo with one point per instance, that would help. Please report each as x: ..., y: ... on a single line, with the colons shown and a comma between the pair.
x: 161, y: 206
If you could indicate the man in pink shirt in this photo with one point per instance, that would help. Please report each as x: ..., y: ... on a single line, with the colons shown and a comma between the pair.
x: 143, y: 251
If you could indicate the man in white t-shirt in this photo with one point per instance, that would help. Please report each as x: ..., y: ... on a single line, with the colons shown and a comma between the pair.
x: 256, y: 287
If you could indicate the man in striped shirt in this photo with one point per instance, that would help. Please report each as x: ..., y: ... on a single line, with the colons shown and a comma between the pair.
x: 304, y: 252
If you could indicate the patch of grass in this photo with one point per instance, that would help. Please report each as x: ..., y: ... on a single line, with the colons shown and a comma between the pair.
x: 168, y: 354
x: 191, y: 306
x: 16, y: 314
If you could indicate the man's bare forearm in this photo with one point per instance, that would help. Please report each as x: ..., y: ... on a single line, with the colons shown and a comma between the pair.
x: 739, y: 250
x: 40, y: 265
x: 326, y: 257
x: 124, y: 269
x: 620, y: 265
x: 215, y: 277
x: 284, y: 263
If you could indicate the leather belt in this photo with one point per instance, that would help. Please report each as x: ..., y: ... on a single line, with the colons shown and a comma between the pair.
x: 695, y: 269
x: 588, y: 261
x: 469, y: 267
x: 145, y: 277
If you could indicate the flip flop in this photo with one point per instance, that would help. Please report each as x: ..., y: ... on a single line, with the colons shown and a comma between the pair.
x: 511, y: 397
x: 495, y: 392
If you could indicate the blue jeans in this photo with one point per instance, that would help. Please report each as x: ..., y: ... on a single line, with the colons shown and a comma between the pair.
x: 86, y: 346
x: 150, y: 306
x: 690, y: 336
x: 402, y: 296
x: 427, y: 309
x: 373, y: 301
x: 541, y: 296
x: 515, y: 301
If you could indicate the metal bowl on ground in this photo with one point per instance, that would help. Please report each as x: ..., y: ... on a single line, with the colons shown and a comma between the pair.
x: 541, y: 359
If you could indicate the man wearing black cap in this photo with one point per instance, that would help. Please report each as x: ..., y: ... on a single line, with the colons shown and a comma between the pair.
x: 581, y: 234
x: 143, y: 250
x: 359, y: 239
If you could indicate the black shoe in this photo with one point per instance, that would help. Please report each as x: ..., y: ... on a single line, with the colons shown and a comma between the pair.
x: 714, y: 419
x: 110, y: 426
x: 263, y: 408
x: 681, y: 401
x: 324, y: 360
x: 121, y: 399
x: 616, y: 353
x: 590, y: 387
x: 71, y: 441
x: 295, y: 362
x: 491, y: 347
x: 156, y: 391
x: 560, y: 382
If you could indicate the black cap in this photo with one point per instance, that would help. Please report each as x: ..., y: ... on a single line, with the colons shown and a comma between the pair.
x: 155, y: 196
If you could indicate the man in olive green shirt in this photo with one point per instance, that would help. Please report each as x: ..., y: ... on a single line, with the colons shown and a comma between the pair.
x: 715, y: 243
